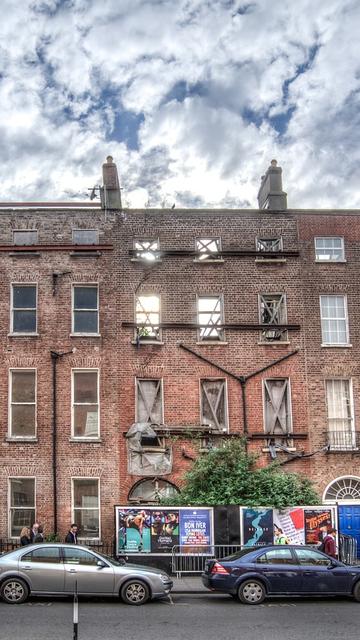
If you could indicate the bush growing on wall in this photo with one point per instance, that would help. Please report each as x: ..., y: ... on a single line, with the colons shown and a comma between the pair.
x: 228, y: 475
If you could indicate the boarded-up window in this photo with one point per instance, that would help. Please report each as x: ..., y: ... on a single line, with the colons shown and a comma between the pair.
x: 147, y: 250
x: 25, y: 237
x: 210, y: 318
x: 277, y: 406
x: 23, y: 403
x: 147, y: 311
x: 213, y: 403
x: 269, y: 244
x: 272, y: 310
x: 149, y: 401
x: 208, y: 249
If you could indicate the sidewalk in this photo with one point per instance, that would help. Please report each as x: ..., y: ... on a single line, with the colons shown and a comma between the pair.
x: 188, y: 584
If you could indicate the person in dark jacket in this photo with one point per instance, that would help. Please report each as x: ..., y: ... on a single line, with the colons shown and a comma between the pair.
x: 33, y: 531
x: 330, y: 544
x: 71, y: 537
x: 40, y: 535
x: 25, y: 536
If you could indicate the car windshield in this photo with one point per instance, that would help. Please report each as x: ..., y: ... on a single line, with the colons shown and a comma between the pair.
x: 238, y: 554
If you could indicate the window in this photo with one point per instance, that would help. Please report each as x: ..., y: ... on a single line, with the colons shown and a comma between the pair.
x: 343, y: 488
x: 25, y: 237
x: 213, y: 404
x: 269, y: 244
x: 208, y: 249
x: 22, y: 423
x: 23, y: 308
x: 21, y: 504
x: 149, y: 401
x: 85, y: 236
x: 48, y: 554
x: 277, y: 556
x: 79, y: 556
x: 152, y: 491
x: 340, y: 414
x: 329, y: 249
x: 210, y: 318
x: 147, y: 250
x: 272, y: 309
x: 312, y: 557
x: 85, y: 309
x: 147, y: 317
x: 86, y: 512
x: 334, y: 321
x: 277, y: 408
x: 85, y: 414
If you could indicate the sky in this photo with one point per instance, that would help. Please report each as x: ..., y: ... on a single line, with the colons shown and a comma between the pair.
x: 192, y: 98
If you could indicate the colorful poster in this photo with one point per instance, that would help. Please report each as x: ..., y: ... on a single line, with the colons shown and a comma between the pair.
x: 134, y: 531
x: 164, y: 530
x: 195, y: 529
x: 257, y: 527
x: 317, y: 523
x: 289, y: 523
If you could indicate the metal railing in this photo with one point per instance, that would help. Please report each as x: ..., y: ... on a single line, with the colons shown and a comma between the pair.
x: 108, y: 548
x: 194, y: 561
x: 343, y: 440
x: 347, y: 549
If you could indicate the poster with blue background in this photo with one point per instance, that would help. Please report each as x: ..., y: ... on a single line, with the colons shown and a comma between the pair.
x: 195, y: 528
x: 258, y: 527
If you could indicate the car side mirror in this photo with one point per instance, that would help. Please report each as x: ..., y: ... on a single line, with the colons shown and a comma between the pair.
x: 100, y: 564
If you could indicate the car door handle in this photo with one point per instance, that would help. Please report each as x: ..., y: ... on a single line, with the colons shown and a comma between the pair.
x: 72, y: 570
x: 308, y: 573
x: 26, y: 567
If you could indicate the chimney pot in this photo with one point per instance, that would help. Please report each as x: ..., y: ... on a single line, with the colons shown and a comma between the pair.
x: 271, y: 196
x: 109, y: 159
x: 273, y: 163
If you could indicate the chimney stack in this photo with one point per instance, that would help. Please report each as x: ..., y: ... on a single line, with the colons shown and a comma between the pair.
x: 271, y: 196
x: 110, y: 191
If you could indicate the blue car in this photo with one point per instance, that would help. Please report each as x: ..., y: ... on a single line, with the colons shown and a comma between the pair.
x: 282, y: 570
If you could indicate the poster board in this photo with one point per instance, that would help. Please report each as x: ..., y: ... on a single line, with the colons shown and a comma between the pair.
x: 156, y: 530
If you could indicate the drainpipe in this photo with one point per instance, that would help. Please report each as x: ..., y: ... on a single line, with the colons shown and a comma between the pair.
x: 54, y: 358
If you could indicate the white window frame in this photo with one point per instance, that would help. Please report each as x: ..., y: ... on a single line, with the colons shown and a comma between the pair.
x: 210, y: 256
x: 147, y: 255
x: 331, y: 259
x: 73, y: 508
x: 10, y: 508
x: 86, y: 285
x: 25, y: 244
x: 13, y: 310
x: 345, y: 319
x: 224, y: 429
x: 207, y: 339
x: 144, y: 339
x: 73, y: 372
x: 90, y: 244
x: 351, y: 443
x: 11, y: 403
x: 277, y: 434
x: 161, y: 380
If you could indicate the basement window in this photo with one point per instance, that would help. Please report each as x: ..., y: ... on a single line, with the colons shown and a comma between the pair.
x: 272, y: 312
x: 267, y: 245
x: 277, y: 409
x: 147, y: 318
x: 210, y: 318
x: 208, y: 249
x: 147, y: 250
x: 213, y: 404
x: 149, y: 401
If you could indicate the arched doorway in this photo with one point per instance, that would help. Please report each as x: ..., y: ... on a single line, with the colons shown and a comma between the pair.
x: 151, y: 491
x: 345, y: 492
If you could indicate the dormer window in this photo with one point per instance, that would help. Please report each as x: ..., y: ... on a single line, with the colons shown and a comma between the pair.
x: 147, y: 250
x: 25, y: 237
x: 266, y: 245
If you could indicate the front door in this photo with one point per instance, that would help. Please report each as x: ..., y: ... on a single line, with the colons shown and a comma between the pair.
x: 82, y: 573
x: 320, y: 575
x: 44, y: 569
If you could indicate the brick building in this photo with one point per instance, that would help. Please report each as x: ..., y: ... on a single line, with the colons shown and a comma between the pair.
x: 134, y: 340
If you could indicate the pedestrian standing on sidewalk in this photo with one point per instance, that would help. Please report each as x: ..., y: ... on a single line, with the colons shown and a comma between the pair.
x: 71, y: 537
x: 25, y: 536
x: 330, y: 544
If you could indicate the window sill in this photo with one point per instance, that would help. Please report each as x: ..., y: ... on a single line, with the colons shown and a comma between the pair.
x: 270, y: 260
x: 145, y: 342
x: 288, y: 450
x: 85, y: 335
x: 336, y: 346
x: 276, y: 343
x: 24, y: 254
x: 209, y: 261
x: 22, y: 439
x: 84, y: 439
x: 85, y: 254
x: 145, y: 260
x: 213, y: 343
x: 330, y: 261
x: 23, y: 335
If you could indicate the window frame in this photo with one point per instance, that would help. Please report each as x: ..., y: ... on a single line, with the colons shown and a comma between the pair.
x: 86, y: 285
x: 73, y: 508
x: 10, y: 404
x: 290, y: 430
x: 25, y: 244
x: 330, y: 260
x: 150, y: 339
x: 73, y: 403
x: 142, y: 258
x: 13, y: 310
x: 208, y: 257
x: 284, y: 336
x: 161, y: 394
x: 226, y: 428
x: 207, y: 339
x: 345, y: 319
x: 90, y: 244
x: 10, y: 509
x: 260, y: 239
x: 351, y: 432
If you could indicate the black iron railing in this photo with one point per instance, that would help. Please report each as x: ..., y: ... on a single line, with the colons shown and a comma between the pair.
x: 343, y: 440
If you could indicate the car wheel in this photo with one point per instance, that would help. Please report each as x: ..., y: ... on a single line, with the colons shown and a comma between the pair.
x: 14, y: 591
x: 356, y: 592
x: 251, y: 592
x: 135, y: 592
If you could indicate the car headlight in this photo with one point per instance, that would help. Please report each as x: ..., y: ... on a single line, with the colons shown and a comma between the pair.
x: 164, y: 578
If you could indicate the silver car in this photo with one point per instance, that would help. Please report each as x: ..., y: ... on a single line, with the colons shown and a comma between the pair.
x: 62, y: 569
